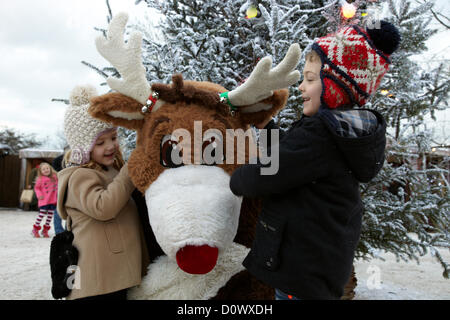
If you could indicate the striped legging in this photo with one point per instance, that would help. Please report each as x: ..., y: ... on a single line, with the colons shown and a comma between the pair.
x: 48, y: 210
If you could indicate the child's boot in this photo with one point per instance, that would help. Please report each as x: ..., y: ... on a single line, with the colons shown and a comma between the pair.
x: 35, y: 231
x: 45, y: 231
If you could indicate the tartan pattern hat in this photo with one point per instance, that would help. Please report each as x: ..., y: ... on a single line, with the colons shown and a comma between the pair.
x: 353, y: 63
x: 80, y: 128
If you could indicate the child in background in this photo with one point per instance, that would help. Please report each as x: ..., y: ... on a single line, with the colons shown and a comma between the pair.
x: 46, y: 189
x: 94, y: 196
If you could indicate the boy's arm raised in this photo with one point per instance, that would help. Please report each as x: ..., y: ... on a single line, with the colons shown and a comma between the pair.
x: 301, y: 160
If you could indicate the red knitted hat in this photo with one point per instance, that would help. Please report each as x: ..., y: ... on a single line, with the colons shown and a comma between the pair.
x: 353, y: 63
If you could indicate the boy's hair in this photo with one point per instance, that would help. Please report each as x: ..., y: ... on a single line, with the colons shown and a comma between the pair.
x: 118, y: 162
x: 312, y: 56
x: 52, y: 175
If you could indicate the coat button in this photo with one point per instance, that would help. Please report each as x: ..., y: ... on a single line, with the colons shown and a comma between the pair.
x: 264, y: 225
x: 268, y: 263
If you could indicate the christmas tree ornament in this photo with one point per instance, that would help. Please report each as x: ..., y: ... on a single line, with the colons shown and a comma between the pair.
x: 348, y: 10
x: 252, y: 12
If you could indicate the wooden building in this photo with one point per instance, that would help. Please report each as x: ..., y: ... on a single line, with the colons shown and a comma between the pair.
x: 9, y: 177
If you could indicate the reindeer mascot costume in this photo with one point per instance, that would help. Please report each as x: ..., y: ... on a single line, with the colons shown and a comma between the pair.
x: 200, y: 231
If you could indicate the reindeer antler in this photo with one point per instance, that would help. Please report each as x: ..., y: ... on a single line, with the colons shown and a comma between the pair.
x: 126, y: 58
x: 263, y: 80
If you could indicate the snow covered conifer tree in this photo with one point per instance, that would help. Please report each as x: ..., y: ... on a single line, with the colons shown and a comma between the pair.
x: 214, y: 41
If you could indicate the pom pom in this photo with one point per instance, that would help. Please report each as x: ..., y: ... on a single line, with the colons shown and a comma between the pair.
x: 385, y: 37
x: 80, y: 95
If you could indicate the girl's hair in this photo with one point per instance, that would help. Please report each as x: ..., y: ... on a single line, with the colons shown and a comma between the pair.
x: 118, y: 162
x: 65, y: 163
x: 312, y: 56
x: 53, y: 173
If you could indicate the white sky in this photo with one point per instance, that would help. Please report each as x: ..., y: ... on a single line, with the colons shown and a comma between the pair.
x: 42, y: 44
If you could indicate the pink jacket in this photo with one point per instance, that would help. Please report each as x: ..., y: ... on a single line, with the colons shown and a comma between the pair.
x: 47, y: 188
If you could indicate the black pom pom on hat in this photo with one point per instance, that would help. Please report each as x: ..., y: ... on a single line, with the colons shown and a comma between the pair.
x: 384, y: 36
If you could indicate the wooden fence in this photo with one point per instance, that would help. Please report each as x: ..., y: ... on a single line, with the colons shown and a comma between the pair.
x: 9, y: 181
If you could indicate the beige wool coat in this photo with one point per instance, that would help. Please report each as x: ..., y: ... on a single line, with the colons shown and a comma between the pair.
x: 106, y: 227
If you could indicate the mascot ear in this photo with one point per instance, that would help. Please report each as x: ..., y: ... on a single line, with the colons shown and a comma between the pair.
x: 264, y: 109
x: 117, y: 109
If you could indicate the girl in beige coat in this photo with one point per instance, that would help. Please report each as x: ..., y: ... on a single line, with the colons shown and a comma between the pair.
x: 94, y: 195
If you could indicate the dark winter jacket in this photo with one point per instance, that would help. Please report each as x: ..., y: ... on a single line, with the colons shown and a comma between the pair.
x: 310, y: 222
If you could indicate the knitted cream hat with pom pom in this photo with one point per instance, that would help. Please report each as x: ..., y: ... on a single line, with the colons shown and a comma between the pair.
x: 80, y: 129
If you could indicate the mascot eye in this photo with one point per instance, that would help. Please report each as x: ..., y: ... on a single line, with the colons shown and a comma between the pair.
x: 212, y: 149
x: 171, y: 155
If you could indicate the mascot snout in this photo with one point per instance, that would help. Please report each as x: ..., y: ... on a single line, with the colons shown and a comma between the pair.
x: 197, y: 259
x: 194, y: 215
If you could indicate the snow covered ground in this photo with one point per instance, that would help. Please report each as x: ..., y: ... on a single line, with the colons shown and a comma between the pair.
x: 25, y: 271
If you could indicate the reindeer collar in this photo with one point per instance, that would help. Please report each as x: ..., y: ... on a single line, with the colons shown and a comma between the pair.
x: 224, y: 99
x: 151, y: 102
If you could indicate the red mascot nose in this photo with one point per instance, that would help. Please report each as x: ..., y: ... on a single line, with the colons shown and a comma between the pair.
x: 197, y: 259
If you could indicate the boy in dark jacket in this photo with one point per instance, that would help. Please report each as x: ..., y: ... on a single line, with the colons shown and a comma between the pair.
x: 310, y: 222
